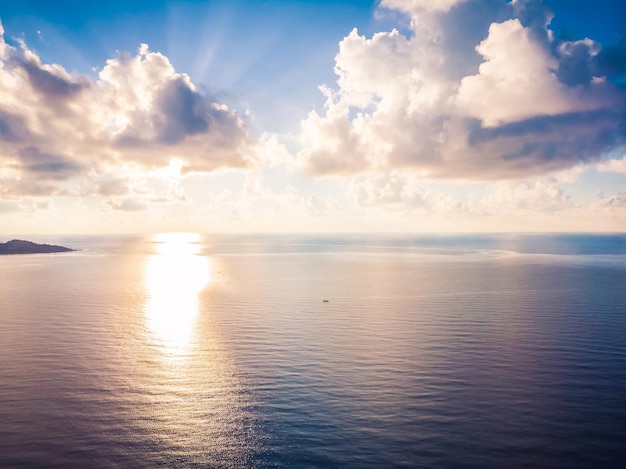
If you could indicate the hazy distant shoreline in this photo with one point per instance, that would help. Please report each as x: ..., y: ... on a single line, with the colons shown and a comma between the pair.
x: 19, y: 246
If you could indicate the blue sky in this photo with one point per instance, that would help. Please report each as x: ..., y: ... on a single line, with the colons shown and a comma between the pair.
x: 449, y: 115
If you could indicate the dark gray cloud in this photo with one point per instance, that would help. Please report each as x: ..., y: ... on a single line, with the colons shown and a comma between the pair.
x: 542, y: 144
x: 47, y: 165
x: 13, y: 128
x: 534, y: 15
x: 459, y: 44
x: 183, y: 112
x: 606, y: 125
x: 581, y: 60
x: 49, y: 83
x: 577, y: 62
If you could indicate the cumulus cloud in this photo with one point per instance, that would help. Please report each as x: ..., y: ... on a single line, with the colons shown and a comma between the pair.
x: 576, y: 61
x: 58, y: 130
x: 479, y: 90
x: 517, y: 82
x: 156, y: 113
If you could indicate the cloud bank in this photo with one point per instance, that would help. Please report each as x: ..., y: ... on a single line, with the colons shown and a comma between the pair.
x: 478, y: 90
x: 474, y: 111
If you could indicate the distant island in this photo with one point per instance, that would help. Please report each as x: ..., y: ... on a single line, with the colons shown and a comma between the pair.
x: 19, y: 246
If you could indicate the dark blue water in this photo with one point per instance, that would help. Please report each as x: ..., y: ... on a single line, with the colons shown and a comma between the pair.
x: 309, y: 351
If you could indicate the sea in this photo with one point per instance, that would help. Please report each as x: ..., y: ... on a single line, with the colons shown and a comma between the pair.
x: 189, y: 350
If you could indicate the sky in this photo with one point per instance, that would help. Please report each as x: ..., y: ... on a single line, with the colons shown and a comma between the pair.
x: 311, y: 116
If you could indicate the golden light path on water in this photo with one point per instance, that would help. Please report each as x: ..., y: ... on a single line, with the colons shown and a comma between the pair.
x: 193, y: 408
x: 174, y: 277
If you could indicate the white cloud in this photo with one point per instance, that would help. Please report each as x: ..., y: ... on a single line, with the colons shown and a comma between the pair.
x: 59, y: 131
x: 270, y: 152
x: 413, y: 101
x: 518, y: 81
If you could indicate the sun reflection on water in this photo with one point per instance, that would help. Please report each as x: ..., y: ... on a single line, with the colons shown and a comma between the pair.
x: 174, y: 277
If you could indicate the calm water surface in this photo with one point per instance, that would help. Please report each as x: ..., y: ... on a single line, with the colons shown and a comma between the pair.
x: 354, y: 351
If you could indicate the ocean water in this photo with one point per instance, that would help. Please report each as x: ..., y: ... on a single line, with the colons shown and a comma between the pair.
x: 181, y: 350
